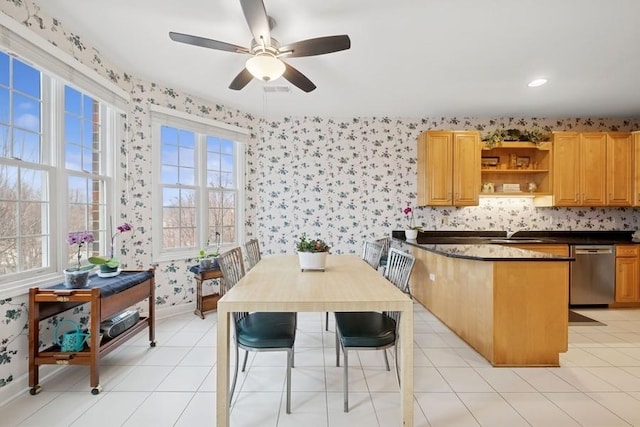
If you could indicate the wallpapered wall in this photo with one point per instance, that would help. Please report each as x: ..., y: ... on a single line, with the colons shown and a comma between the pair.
x: 345, y: 180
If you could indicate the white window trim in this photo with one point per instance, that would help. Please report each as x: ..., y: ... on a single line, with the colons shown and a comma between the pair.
x: 168, y: 117
x: 30, y: 48
x: 27, y: 44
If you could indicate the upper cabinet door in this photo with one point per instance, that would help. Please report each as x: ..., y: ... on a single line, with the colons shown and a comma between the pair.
x: 636, y: 167
x: 619, y: 169
x: 566, y: 169
x: 466, y: 168
x: 435, y: 166
x: 593, y: 174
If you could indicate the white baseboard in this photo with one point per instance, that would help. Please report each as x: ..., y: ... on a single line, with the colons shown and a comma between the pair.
x: 20, y: 385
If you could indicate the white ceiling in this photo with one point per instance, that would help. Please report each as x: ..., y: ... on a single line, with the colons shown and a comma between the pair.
x: 408, y: 58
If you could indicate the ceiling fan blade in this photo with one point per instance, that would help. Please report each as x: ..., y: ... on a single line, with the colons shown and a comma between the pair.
x: 256, y: 16
x: 242, y: 79
x: 208, y: 43
x: 297, y: 78
x: 317, y: 46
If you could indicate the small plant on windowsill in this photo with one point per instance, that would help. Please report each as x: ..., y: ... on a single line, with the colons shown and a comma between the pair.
x: 210, y: 260
x: 109, y: 264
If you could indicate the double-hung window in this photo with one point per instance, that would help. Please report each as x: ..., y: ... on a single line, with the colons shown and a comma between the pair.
x: 200, y: 176
x: 57, y: 142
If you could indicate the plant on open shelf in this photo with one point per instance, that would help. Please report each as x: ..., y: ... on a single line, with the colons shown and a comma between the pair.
x: 109, y: 264
x: 498, y: 136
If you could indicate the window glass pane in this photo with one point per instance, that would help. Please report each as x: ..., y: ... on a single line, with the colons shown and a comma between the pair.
x: 226, y: 163
x: 187, y: 139
x: 72, y: 130
x: 213, y: 179
x: 72, y: 101
x: 187, y: 156
x: 8, y: 183
x: 187, y: 176
x: 90, y: 108
x: 72, y: 157
x: 31, y: 253
x: 32, y: 185
x: 26, y: 113
x: 31, y: 218
x: 8, y: 255
x: 170, y: 175
x: 4, y: 69
x: 213, y: 160
x: 187, y: 237
x: 168, y: 135
x: 213, y: 144
x: 4, y: 105
x: 5, y: 147
x: 87, y: 161
x: 226, y: 146
x: 26, y: 146
x: 26, y: 79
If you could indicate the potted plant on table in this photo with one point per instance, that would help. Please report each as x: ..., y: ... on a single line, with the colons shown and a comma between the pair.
x: 210, y: 260
x: 78, y: 276
x: 109, y: 264
x: 411, y: 233
x: 312, y: 253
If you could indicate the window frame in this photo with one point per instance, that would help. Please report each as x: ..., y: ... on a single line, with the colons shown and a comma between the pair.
x: 202, y: 127
x: 57, y: 70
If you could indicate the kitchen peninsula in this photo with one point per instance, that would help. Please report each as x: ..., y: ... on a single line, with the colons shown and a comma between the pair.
x: 509, y: 304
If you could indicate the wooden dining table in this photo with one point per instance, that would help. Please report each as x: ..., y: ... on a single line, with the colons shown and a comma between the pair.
x: 348, y: 283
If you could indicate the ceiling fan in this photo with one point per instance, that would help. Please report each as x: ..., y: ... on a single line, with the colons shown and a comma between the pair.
x: 266, y: 61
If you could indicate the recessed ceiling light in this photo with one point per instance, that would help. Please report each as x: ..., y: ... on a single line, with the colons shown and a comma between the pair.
x: 537, y: 82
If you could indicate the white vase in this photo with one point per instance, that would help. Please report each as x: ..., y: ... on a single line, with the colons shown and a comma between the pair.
x: 312, y: 260
x: 76, y: 279
x: 411, y: 234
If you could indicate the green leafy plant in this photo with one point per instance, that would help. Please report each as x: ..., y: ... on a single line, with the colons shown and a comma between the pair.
x: 110, y: 261
x: 311, y: 245
x: 498, y: 136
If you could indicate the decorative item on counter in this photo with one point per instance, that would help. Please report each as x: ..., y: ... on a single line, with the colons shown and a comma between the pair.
x: 636, y: 236
x: 78, y: 277
x: 109, y: 265
x: 532, y: 187
x: 488, y: 187
x: 412, y: 232
x: 312, y: 253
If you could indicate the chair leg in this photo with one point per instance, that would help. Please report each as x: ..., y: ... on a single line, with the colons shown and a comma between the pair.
x: 235, y: 376
x: 346, y: 380
x: 289, y: 365
x: 326, y: 321
x: 386, y: 359
x: 244, y: 364
x: 337, y: 350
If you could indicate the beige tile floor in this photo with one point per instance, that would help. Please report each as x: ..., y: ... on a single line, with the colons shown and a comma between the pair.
x: 173, y: 384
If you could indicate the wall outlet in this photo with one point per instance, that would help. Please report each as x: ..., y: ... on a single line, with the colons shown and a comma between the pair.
x: 432, y: 277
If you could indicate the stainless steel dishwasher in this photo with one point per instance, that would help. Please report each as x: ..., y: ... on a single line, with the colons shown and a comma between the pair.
x: 593, y: 275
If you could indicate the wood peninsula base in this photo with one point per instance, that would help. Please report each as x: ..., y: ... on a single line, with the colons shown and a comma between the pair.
x: 514, y: 313
x: 106, y: 297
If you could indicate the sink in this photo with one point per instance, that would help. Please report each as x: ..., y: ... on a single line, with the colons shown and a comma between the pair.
x: 517, y: 240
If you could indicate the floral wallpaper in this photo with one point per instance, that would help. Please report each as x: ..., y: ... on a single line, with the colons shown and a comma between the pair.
x: 342, y: 179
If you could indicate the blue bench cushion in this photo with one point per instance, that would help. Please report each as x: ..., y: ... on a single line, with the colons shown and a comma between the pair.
x: 113, y: 285
x: 365, y: 329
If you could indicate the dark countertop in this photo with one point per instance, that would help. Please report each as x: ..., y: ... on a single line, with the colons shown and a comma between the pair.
x: 490, y: 245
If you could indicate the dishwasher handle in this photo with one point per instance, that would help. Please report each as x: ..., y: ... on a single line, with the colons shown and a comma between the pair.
x: 593, y: 250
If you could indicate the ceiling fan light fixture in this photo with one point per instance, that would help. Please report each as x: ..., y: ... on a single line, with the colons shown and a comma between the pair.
x: 264, y: 66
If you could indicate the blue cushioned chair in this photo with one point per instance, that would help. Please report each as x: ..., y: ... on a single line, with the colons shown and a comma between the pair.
x: 371, y: 253
x: 257, y: 331
x: 373, y: 330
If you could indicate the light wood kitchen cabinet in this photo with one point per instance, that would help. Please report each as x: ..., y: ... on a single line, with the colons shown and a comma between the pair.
x: 579, y: 168
x: 619, y: 169
x: 627, y: 273
x: 548, y: 248
x: 448, y: 168
x: 636, y: 166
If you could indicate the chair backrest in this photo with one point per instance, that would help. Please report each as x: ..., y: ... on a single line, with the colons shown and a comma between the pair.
x: 252, y: 248
x: 371, y: 253
x: 232, y: 268
x: 399, y: 266
x: 386, y: 244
